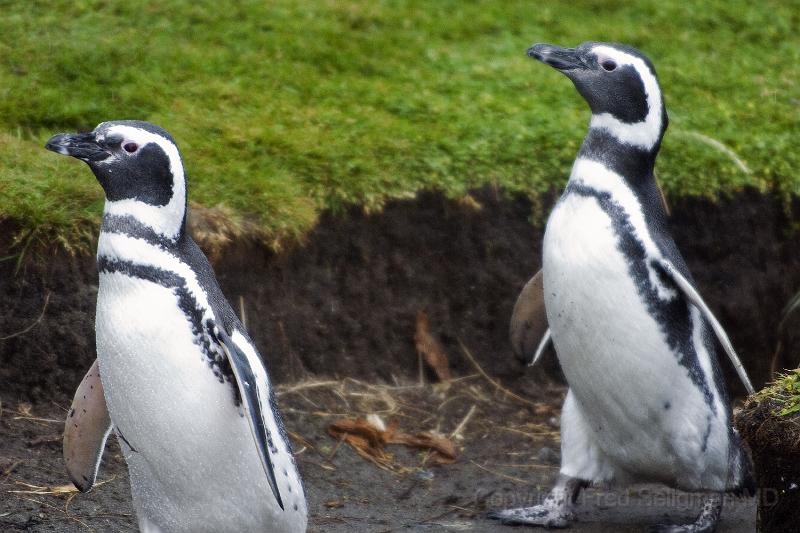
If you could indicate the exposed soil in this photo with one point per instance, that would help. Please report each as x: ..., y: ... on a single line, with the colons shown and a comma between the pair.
x: 345, y: 303
x: 508, y: 458
x: 344, y: 306
x: 774, y: 442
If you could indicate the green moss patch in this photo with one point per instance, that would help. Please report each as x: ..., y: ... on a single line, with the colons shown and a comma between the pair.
x: 783, y: 394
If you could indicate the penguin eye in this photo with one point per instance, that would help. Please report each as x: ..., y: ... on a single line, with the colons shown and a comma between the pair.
x: 608, y: 65
x: 130, y: 147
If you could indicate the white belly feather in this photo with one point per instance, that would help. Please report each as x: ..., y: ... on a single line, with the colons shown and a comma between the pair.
x: 195, y: 466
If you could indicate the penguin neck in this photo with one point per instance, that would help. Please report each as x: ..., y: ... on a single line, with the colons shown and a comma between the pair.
x: 162, y: 226
x: 633, y: 163
x: 163, y: 223
x: 601, y: 152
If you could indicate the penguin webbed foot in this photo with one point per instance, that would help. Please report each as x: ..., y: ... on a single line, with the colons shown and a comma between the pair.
x: 554, y: 512
x: 549, y: 516
x: 706, y: 522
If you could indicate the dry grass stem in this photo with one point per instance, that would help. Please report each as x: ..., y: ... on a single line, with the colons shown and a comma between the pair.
x: 33, y: 324
x: 543, y: 434
x: 456, y: 434
x: 500, y: 474
x: 491, y: 380
x: 281, y: 390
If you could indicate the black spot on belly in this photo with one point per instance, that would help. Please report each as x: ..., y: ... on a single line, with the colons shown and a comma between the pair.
x: 667, y: 406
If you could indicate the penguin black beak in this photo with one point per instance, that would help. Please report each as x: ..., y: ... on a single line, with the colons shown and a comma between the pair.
x: 563, y: 59
x: 82, y: 146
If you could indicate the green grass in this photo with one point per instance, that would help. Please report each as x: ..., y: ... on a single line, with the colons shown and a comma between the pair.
x: 285, y: 108
x: 784, y: 392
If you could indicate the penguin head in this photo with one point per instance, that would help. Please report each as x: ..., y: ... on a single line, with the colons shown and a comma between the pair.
x: 620, y: 85
x: 139, y: 167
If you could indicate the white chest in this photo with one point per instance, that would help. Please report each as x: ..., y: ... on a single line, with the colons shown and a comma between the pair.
x: 593, y: 306
x: 613, y: 351
x: 149, y: 358
x: 598, y: 277
x: 194, y: 465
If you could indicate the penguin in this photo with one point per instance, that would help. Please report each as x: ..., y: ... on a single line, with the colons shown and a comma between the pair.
x: 636, y: 342
x: 183, y: 385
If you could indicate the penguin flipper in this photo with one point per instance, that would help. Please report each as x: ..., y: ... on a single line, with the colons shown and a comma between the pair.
x: 694, y: 297
x: 86, y: 430
x: 250, y: 381
x: 546, y: 340
x: 529, y: 331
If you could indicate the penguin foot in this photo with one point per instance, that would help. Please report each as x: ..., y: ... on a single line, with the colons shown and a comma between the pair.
x: 548, y: 516
x: 554, y: 512
x: 705, y: 523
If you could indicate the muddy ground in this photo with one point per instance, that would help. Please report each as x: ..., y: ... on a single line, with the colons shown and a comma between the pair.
x: 508, y: 456
x: 343, y: 305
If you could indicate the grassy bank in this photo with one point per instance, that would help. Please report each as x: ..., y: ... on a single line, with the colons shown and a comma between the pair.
x: 285, y: 108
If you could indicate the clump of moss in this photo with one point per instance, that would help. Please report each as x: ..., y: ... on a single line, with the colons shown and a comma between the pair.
x: 784, y: 393
x: 767, y: 423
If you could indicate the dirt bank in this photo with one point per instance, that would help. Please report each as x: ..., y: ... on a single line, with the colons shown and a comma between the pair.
x: 344, y: 304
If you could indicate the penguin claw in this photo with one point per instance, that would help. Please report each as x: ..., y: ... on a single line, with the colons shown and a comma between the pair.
x: 538, y: 515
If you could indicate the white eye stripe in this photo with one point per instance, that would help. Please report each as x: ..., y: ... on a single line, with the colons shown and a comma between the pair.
x: 607, y: 52
x: 644, y: 134
x: 603, y: 53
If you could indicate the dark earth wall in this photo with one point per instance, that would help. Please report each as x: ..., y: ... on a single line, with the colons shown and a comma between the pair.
x: 344, y: 304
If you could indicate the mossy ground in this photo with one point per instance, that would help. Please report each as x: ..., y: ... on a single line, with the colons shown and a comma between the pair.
x: 284, y: 109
